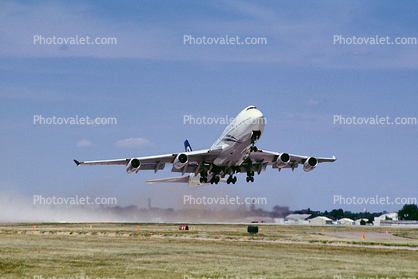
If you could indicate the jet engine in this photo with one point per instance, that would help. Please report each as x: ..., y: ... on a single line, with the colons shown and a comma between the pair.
x: 180, y: 161
x: 133, y: 165
x: 310, y: 164
x: 282, y: 160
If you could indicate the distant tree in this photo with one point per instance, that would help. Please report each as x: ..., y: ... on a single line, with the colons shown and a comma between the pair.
x: 337, y: 213
x: 408, y: 212
x: 362, y: 222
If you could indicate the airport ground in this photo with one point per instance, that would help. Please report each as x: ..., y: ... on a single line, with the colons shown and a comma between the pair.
x: 129, y: 250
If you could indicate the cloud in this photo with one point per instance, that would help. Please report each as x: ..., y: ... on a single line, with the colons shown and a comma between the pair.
x: 84, y: 143
x: 133, y: 143
x: 312, y: 102
x: 305, y: 38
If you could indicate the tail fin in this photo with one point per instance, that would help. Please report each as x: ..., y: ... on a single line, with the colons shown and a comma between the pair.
x: 187, y: 146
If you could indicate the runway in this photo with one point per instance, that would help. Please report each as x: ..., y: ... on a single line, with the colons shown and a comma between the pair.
x: 138, y: 250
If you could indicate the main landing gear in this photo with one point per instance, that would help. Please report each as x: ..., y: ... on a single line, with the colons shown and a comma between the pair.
x: 250, y: 176
x: 231, y: 179
x: 203, y: 177
x: 215, y: 179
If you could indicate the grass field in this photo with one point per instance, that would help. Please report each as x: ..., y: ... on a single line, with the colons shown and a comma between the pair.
x: 210, y: 251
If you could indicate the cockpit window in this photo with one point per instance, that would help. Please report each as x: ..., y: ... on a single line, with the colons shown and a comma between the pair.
x: 251, y: 108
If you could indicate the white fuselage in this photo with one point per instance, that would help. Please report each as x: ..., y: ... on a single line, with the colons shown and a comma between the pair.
x: 236, y: 140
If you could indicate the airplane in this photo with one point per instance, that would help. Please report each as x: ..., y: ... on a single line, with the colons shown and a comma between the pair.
x: 233, y: 152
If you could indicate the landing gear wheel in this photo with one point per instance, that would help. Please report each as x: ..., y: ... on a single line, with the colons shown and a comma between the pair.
x: 232, y: 179
x: 203, y: 177
x: 215, y: 179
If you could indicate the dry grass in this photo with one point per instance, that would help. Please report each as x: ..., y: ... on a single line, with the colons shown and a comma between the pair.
x: 162, y: 251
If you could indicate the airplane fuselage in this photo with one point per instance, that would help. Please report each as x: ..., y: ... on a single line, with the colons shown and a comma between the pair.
x: 238, y: 137
x: 236, y: 142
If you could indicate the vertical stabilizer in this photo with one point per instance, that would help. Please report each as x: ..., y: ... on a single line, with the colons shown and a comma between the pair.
x: 187, y: 146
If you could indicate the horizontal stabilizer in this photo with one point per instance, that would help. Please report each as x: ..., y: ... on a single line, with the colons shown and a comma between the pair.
x: 180, y: 179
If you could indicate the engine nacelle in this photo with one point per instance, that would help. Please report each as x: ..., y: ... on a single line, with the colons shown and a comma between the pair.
x: 282, y: 160
x: 310, y: 164
x: 133, y: 165
x: 180, y: 161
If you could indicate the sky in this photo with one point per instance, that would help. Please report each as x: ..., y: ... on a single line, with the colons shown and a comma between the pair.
x: 149, y: 79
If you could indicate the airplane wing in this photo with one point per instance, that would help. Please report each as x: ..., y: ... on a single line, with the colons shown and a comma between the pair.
x: 271, y: 156
x: 194, y: 159
x: 262, y: 158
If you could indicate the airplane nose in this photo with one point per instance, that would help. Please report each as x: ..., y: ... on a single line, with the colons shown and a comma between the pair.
x: 259, y: 122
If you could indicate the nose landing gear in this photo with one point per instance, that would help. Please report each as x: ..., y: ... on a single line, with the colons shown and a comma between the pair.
x: 254, y: 137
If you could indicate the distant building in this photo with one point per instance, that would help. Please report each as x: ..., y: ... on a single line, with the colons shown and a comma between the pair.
x: 346, y: 221
x: 388, y: 216
x: 321, y: 220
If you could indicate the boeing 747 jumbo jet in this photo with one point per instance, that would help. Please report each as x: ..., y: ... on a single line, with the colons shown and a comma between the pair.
x: 233, y: 152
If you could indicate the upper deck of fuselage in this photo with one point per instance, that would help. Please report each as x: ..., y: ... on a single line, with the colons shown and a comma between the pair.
x: 248, y: 120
